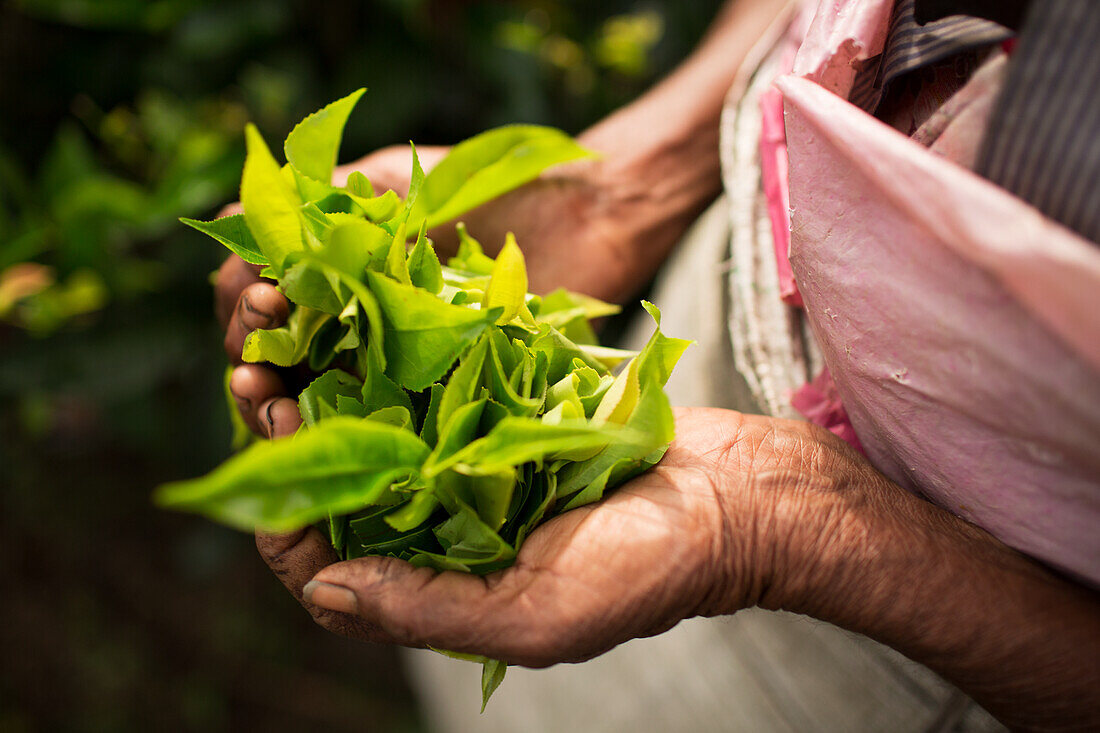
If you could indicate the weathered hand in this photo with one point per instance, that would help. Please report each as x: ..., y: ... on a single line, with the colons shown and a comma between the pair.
x: 697, y: 535
x: 704, y: 533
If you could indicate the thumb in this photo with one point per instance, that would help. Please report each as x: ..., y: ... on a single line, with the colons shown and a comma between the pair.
x: 493, y: 615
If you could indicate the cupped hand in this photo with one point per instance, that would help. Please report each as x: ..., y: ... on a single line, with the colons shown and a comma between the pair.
x: 697, y: 535
x: 722, y: 523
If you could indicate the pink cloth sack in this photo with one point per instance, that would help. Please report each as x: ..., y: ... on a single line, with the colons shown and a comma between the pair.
x: 961, y: 327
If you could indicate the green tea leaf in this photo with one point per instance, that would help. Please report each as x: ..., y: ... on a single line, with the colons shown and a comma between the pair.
x: 492, y: 671
x: 561, y: 353
x: 272, y: 207
x: 233, y: 232
x: 492, y: 674
x: 619, y: 401
x: 544, y: 492
x: 657, y: 360
x: 374, y: 536
x: 488, y: 165
x: 424, y: 268
x: 399, y: 417
x: 349, y: 406
x: 380, y: 208
x: 317, y: 223
x: 499, y: 364
x: 423, y: 335
x: 397, y: 260
x: 312, y: 146
x: 338, y: 532
x: 493, y: 497
x: 608, y: 357
x: 288, y: 345
x: 471, y: 256
x: 359, y: 185
x: 651, y: 419
x: 324, y: 390
x: 350, y: 246
x: 429, y: 431
x: 516, y: 440
x: 370, y: 306
x: 307, y: 285
x: 456, y: 434
x: 562, y: 301
x: 337, y: 466
x: 468, y: 540
x: 349, y: 319
x: 508, y: 283
x: 414, y: 512
x: 379, y: 391
x: 416, y: 180
x: 465, y: 382
x: 591, y: 493
x: 570, y: 314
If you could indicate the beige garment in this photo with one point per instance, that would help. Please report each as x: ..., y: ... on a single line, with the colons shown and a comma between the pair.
x: 756, y: 670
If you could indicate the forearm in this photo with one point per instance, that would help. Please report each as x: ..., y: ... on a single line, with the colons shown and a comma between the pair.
x: 617, y: 216
x: 660, y: 154
x: 1020, y: 640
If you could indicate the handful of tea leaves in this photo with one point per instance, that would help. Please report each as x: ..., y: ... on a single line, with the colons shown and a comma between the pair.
x: 453, y: 411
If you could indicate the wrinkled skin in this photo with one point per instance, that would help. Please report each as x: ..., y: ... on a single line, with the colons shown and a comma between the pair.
x: 668, y: 545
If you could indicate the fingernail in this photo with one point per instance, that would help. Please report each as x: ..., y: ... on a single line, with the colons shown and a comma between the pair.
x: 270, y: 419
x: 252, y: 317
x: 332, y: 597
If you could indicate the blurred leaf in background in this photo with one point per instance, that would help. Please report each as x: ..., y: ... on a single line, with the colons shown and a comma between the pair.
x: 148, y: 15
x: 116, y: 118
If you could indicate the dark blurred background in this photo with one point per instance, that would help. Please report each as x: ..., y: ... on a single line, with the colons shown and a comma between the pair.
x: 116, y: 118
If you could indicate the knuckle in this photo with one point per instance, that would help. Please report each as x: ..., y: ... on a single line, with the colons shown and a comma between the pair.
x: 277, y: 549
x: 385, y: 571
x: 405, y: 630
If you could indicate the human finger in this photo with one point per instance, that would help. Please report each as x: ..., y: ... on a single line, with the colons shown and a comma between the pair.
x: 233, y: 276
x: 251, y: 386
x: 231, y: 209
x: 496, y: 616
x: 260, y: 305
x: 278, y: 417
x: 294, y: 558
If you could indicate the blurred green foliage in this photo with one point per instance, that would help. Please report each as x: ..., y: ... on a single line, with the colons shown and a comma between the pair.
x: 116, y: 118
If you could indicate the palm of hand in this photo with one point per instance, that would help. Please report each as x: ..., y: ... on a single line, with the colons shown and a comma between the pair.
x: 650, y: 554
